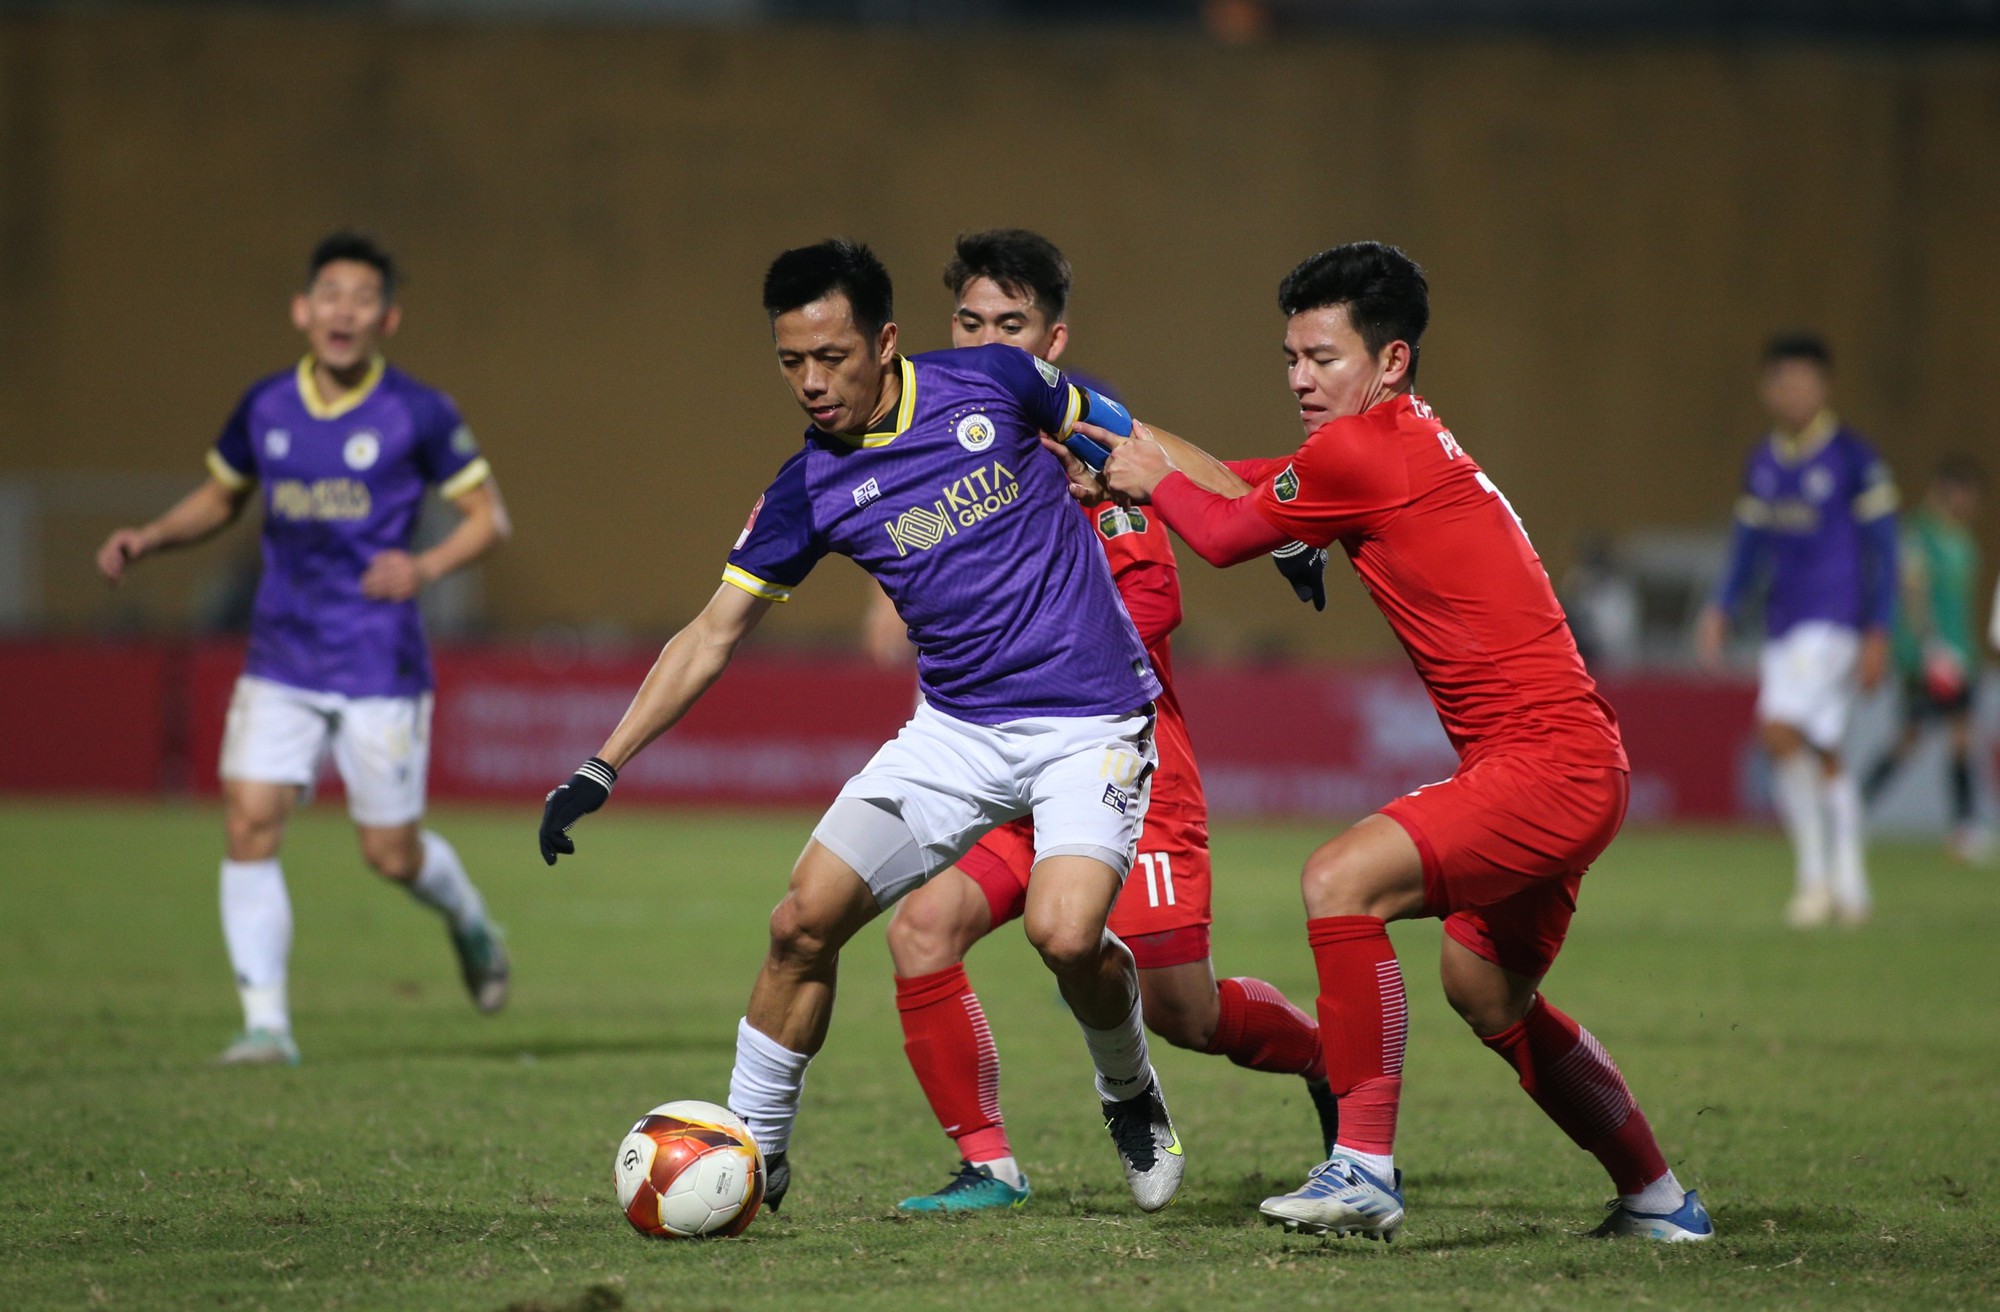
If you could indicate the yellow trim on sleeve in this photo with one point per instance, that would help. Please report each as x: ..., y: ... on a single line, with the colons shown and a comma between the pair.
x: 319, y: 409
x: 465, y: 479
x: 1075, y: 412
x: 1752, y: 512
x: 756, y: 587
x: 1876, y: 502
x: 227, y: 474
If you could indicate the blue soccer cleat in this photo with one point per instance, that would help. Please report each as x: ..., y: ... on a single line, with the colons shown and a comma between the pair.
x: 972, y: 1189
x: 1686, y: 1224
x: 1340, y: 1197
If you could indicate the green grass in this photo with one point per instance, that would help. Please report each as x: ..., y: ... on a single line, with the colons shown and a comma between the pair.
x: 1835, y: 1096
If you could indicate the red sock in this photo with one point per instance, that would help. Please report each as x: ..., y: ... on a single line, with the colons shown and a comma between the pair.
x: 1258, y: 1027
x: 1570, y: 1076
x: 1363, y: 1023
x: 951, y: 1050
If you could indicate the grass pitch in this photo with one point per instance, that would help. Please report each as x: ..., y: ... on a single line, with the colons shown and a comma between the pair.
x: 1835, y: 1096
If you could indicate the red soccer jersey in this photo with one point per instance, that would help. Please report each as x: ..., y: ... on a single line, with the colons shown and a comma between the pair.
x: 1448, y: 563
x: 1141, y: 553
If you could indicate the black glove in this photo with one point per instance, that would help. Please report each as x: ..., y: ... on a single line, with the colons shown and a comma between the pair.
x: 586, y: 790
x: 1304, y: 568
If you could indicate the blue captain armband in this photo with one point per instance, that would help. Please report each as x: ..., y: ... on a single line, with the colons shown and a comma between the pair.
x: 1106, y: 413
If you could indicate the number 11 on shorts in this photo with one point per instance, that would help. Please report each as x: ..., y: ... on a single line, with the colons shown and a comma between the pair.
x: 1160, y: 881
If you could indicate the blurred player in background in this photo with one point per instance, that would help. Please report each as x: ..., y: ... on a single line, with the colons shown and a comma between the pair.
x: 928, y: 473
x: 1937, y: 656
x: 343, y: 448
x: 1818, y: 514
x: 1013, y: 286
x: 1499, y: 850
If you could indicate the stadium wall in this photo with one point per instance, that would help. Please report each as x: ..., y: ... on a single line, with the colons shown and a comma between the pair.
x: 1611, y: 227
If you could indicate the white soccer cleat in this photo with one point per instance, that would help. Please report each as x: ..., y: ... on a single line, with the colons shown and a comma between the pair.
x: 1686, y: 1224
x: 260, y: 1048
x: 1809, y: 908
x: 1147, y: 1146
x: 1340, y: 1197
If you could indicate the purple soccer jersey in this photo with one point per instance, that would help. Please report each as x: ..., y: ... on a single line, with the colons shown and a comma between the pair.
x: 1822, y: 510
x: 968, y: 525
x: 341, y: 484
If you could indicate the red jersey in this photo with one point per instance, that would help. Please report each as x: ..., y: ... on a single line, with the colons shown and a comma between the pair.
x: 1141, y: 553
x: 1451, y: 568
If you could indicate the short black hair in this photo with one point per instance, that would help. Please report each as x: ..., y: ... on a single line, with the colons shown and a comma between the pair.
x: 358, y: 247
x: 806, y: 274
x: 1810, y: 347
x: 1385, y: 293
x: 1960, y: 470
x: 1017, y: 261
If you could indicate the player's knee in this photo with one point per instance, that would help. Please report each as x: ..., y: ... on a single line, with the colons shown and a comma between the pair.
x: 923, y: 939
x: 393, y: 857
x: 1335, y: 883
x: 1177, y: 1023
x: 253, y: 835
x: 1486, y: 1011
x: 797, y: 938
x: 1068, y: 948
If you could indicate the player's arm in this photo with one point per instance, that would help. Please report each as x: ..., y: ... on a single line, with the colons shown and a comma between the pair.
x: 196, y: 517
x: 483, y: 525
x: 1749, y: 537
x: 884, y: 636
x: 689, y: 664
x: 1875, y: 508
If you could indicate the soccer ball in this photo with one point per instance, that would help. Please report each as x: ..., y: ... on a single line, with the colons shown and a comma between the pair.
x: 689, y: 1170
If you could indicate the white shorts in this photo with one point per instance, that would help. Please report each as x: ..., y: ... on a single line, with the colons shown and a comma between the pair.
x: 1085, y: 779
x: 277, y: 734
x: 1808, y: 681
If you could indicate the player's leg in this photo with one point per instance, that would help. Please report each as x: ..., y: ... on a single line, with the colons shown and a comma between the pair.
x: 1560, y: 1064
x: 1969, y: 839
x: 382, y: 750
x: 945, y: 1035
x: 1353, y: 886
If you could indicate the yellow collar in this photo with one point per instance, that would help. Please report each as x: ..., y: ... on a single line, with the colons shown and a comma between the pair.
x: 1805, y: 444
x: 318, y: 409
x: 906, y: 410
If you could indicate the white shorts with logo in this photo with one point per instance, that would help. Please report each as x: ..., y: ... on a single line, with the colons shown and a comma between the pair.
x: 1808, y: 680
x: 277, y: 734
x: 1085, y: 779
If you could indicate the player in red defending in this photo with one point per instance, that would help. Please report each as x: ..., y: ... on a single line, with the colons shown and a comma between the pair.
x: 1497, y: 850
x: 1012, y: 286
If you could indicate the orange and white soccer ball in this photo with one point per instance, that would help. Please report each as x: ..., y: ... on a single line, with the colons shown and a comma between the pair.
x: 689, y: 1170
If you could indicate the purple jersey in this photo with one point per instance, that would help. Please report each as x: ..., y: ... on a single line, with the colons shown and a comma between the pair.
x: 968, y: 525
x: 1822, y: 508
x: 342, y: 483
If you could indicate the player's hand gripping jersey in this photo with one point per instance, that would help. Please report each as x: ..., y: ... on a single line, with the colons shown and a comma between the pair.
x: 968, y: 525
x: 1450, y: 566
x: 342, y: 483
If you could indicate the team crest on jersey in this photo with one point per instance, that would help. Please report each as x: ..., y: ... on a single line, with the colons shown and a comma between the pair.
x: 976, y: 432
x: 1817, y: 483
x: 1285, y: 486
x: 1115, y: 521
x: 748, y: 524
x: 867, y: 494
x: 363, y: 449
x: 463, y: 443
x: 1050, y: 374
x: 277, y: 444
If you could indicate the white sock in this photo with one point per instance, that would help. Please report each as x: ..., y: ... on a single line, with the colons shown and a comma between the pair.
x: 1663, y: 1195
x: 1005, y: 1169
x: 1119, y: 1054
x: 1798, y: 785
x: 257, y: 926
x: 1850, y: 875
x: 443, y: 884
x: 1380, y: 1165
x: 764, y: 1087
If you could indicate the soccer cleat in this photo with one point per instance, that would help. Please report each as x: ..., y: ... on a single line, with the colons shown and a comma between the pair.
x: 482, y: 962
x: 260, y: 1048
x: 1809, y: 909
x: 777, y: 1179
x: 1147, y: 1145
x: 972, y: 1189
x: 1328, y: 1107
x: 1340, y: 1197
x: 1686, y: 1224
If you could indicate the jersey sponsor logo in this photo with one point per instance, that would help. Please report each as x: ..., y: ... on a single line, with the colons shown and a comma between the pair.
x: 277, y: 444
x: 1116, y: 798
x: 463, y: 443
x: 1285, y: 486
x: 867, y: 494
x: 986, y: 491
x: 748, y: 524
x: 976, y: 432
x: 1115, y: 521
x: 326, y: 499
x: 1050, y: 374
x: 363, y: 449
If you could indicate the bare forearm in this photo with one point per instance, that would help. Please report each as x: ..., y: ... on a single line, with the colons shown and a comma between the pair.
x: 1204, y: 469
x: 196, y: 517
x: 689, y: 664
x: 484, y: 527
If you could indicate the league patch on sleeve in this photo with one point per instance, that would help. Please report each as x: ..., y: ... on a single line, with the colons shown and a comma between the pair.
x: 463, y: 443
x: 1115, y: 521
x: 1050, y: 374
x: 1285, y: 486
x: 748, y: 524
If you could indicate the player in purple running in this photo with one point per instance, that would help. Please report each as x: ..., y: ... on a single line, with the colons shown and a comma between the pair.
x: 928, y: 472
x: 340, y: 450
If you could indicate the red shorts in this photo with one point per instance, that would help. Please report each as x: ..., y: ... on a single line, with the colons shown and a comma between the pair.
x: 1505, y: 843
x: 1163, y: 911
